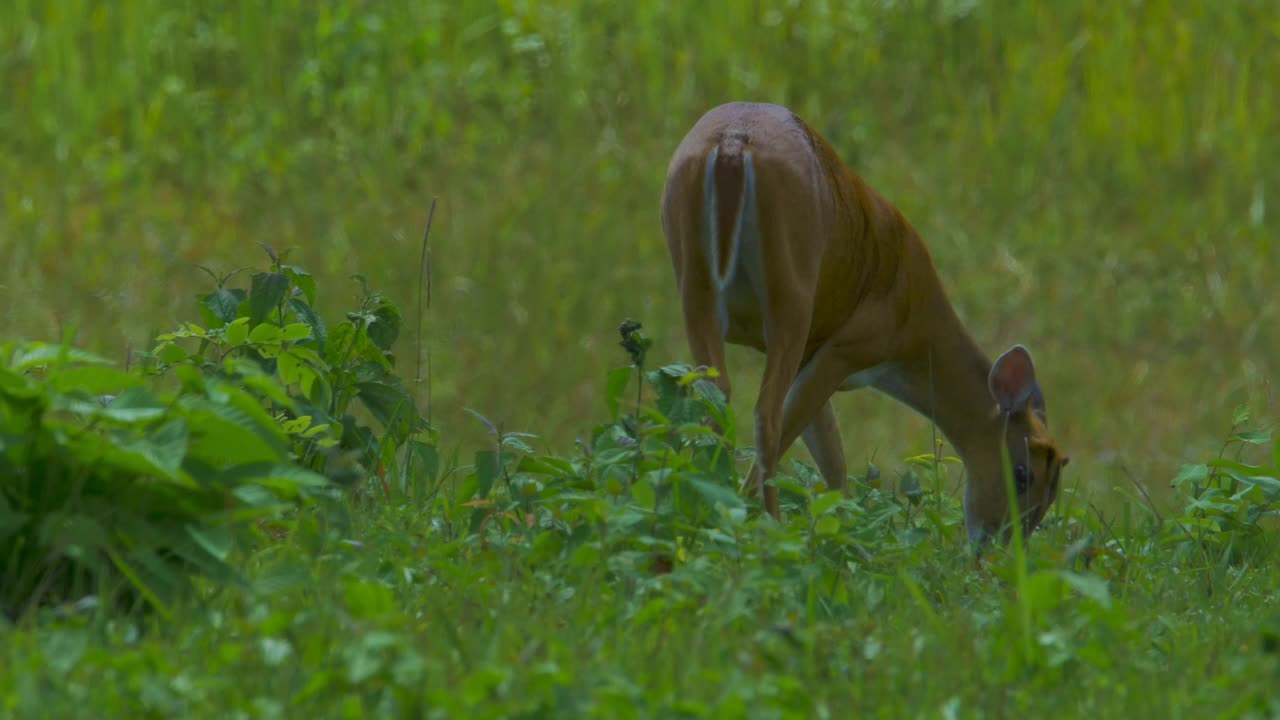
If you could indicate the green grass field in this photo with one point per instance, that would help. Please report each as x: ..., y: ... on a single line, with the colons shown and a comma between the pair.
x: 1096, y: 180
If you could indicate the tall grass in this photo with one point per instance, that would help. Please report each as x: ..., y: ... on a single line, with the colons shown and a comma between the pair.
x: 1096, y: 179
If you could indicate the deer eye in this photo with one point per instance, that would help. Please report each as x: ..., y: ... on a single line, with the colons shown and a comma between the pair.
x: 1021, y: 478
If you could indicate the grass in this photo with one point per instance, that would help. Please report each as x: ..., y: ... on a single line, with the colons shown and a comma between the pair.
x: 629, y: 580
x: 1094, y: 180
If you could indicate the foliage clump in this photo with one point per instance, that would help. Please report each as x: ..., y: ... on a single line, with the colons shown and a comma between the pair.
x: 124, y: 485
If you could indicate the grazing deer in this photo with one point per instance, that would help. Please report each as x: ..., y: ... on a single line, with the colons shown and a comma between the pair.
x: 777, y: 245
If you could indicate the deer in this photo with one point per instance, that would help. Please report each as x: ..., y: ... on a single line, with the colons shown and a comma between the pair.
x: 779, y: 246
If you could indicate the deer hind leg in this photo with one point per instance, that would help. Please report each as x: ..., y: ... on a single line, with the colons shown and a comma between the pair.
x: 786, y: 297
x: 822, y: 437
x: 807, y: 403
x: 860, y: 345
x: 787, y: 328
x: 700, y: 294
x: 702, y: 326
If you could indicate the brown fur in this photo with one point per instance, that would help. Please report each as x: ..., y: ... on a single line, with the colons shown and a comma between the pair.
x: 842, y: 283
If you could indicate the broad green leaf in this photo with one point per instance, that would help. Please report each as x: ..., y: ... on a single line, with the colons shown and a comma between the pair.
x: 827, y: 526
x: 716, y: 494
x: 317, y: 389
x: 159, y: 451
x: 302, y: 280
x: 340, y: 344
x: 1253, y: 437
x: 237, y: 333
x: 615, y: 384
x: 62, y: 648
x: 266, y: 333
x: 222, y: 305
x: 390, y: 404
x: 96, y: 408
x: 198, y: 555
x: 308, y: 355
x: 281, y: 476
x: 193, y: 379
x: 644, y: 494
x: 710, y: 394
x: 266, y: 292
x: 38, y: 353
x: 1090, y: 586
x: 222, y: 434
x: 427, y: 459
x: 546, y: 547
x: 256, y: 496
x: 171, y: 353
x: 16, y: 385
x: 251, y: 406
x: 1239, y: 467
x: 317, y: 429
x: 296, y: 425
x: 368, y: 600
x: 1191, y: 473
x: 289, y: 368
x: 385, y: 327
x: 309, y: 316
x: 1269, y: 484
x: 307, y: 379
x: 1045, y: 591
x: 544, y: 465
x: 215, y: 540
x: 134, y: 405
x: 297, y: 331
x: 281, y: 576
x: 74, y: 531
x: 268, y: 387
x: 824, y: 502
x: 516, y: 442
x: 486, y: 471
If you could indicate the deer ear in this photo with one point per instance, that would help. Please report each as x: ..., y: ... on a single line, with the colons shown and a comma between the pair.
x: 1013, y: 381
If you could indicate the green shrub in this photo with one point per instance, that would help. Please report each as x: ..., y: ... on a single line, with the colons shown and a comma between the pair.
x: 655, y: 491
x: 1230, y: 501
x: 309, y: 374
x: 124, y: 486
x: 116, y: 489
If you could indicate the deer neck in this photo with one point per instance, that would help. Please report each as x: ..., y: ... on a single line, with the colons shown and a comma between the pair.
x: 945, y: 377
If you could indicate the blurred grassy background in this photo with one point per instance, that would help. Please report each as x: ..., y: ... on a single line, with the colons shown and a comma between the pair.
x: 1095, y: 179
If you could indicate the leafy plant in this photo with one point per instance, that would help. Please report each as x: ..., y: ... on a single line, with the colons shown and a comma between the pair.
x: 1230, y: 500
x: 307, y: 373
x: 118, y: 490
